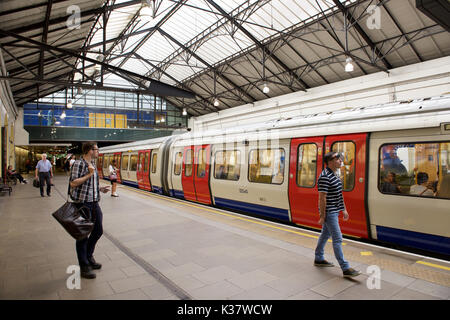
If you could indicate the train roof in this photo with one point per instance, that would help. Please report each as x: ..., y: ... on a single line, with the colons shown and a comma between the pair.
x: 136, y: 145
x: 412, y: 114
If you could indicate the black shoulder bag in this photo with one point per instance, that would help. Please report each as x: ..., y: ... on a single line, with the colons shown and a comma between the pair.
x: 75, y: 219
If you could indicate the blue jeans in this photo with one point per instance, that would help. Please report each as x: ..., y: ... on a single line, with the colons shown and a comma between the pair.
x: 331, y: 228
x: 86, y: 246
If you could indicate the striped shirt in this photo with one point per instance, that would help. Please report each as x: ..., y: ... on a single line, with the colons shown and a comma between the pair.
x: 88, y: 191
x: 331, y: 184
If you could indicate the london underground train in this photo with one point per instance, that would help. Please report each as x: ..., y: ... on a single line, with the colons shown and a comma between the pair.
x: 395, y: 173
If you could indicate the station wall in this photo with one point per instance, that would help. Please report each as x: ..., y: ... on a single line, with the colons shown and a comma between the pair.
x: 421, y: 80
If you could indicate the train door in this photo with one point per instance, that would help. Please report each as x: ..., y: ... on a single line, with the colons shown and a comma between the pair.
x: 100, y: 166
x: 305, y: 168
x: 187, y: 178
x: 140, y: 169
x: 353, y: 176
x: 125, y: 162
x: 202, y: 161
x: 143, y: 174
x: 118, y: 157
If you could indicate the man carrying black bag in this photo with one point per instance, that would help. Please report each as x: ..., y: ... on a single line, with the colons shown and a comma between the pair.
x: 85, y: 191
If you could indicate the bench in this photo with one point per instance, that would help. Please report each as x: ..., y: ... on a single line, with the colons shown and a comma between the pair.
x: 5, y: 188
x: 10, y: 179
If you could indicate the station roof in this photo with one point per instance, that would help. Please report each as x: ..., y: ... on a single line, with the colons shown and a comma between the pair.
x: 194, y: 52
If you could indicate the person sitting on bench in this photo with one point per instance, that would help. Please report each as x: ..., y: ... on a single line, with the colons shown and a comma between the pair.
x: 15, y: 175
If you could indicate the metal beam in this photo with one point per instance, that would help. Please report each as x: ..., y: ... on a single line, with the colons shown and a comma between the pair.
x: 361, y: 32
x: 259, y: 44
x: 205, y: 63
x: 22, y: 9
x: 44, y: 38
x: 156, y: 27
x: 403, y: 32
x: 172, y: 78
x: 156, y: 86
x: 341, y: 45
x: 76, y: 84
x: 85, y: 13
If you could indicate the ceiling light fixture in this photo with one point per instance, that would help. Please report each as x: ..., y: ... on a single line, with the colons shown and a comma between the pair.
x: 63, y: 115
x: 348, y: 61
x: 99, y: 58
x: 266, y: 89
x: 69, y: 104
x: 349, y: 65
x: 184, y: 112
x: 216, y: 102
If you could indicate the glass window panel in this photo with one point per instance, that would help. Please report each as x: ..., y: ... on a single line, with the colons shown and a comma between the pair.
x: 227, y: 165
x: 188, y: 160
x: 267, y: 166
x: 307, y: 165
x: 347, y: 171
x: 418, y: 169
x: 146, y: 161
x: 154, y: 162
x: 133, y: 162
x: 201, y: 165
x: 125, y: 159
x: 178, y: 163
x: 140, y: 160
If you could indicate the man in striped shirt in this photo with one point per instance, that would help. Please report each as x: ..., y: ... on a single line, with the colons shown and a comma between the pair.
x: 331, y: 202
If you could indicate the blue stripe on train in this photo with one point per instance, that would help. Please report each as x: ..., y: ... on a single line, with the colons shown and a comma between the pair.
x: 177, y: 193
x: 271, y: 212
x: 157, y: 189
x: 130, y: 183
x: 414, y: 239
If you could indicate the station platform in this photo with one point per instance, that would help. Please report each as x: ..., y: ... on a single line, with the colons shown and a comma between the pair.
x: 160, y: 248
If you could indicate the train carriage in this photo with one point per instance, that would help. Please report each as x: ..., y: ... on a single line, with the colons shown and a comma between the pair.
x: 271, y: 169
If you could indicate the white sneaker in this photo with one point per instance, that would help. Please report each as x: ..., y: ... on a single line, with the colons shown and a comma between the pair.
x: 114, y: 195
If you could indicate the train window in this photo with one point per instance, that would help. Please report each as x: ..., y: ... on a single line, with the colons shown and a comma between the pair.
x: 133, y: 162
x: 146, y: 158
x: 347, y: 171
x: 105, y: 162
x: 227, y: 165
x: 125, y: 159
x: 417, y: 169
x: 266, y: 166
x: 154, y: 162
x: 178, y: 162
x: 139, y: 162
x: 201, y: 165
x: 307, y: 165
x: 189, y: 159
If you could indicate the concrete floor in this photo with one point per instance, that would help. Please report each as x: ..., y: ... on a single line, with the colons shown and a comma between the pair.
x: 161, y: 248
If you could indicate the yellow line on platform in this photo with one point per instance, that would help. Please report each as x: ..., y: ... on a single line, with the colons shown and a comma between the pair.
x: 221, y: 213
x: 433, y: 265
